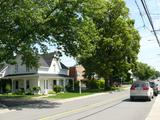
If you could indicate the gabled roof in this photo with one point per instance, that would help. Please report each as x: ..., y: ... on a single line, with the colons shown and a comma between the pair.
x: 2, y: 66
x: 63, y: 66
x: 48, y: 59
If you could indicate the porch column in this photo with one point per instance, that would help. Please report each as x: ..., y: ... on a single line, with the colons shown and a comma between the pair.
x: 24, y: 85
x: 45, y: 87
x: 57, y: 82
x: 64, y: 84
x: 12, y: 85
x: 38, y: 82
x: 39, y: 85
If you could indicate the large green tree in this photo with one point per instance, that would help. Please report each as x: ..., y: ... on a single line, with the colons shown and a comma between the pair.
x: 116, y: 50
x: 143, y: 71
x: 27, y: 25
x: 99, y: 33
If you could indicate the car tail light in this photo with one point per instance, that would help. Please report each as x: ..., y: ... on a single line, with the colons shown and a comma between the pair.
x: 133, y: 88
x: 145, y: 88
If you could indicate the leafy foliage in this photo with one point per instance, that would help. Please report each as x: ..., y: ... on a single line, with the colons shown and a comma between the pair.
x: 144, y: 71
x: 28, y: 26
x: 96, y: 84
x: 117, y: 48
x: 57, y: 88
x: 99, y: 33
x: 36, y: 89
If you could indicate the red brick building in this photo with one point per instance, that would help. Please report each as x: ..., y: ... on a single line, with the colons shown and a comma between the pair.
x: 77, y: 72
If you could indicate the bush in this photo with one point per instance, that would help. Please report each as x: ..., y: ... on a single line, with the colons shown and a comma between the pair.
x: 57, y: 88
x: 29, y: 92
x: 100, y: 84
x: 96, y: 84
x: 20, y: 91
x: 76, y: 86
x: 69, y: 88
x: 36, y: 89
x: 8, y: 88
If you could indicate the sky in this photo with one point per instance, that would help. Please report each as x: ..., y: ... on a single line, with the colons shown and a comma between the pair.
x: 149, y: 50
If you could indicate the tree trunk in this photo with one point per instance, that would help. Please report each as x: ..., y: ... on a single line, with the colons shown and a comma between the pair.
x: 107, y: 84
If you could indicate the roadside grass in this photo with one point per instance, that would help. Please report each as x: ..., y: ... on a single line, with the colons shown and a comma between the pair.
x: 53, y: 95
x: 68, y: 95
x: 77, y: 94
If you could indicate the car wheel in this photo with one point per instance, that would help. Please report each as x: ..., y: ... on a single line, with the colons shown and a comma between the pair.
x: 132, y: 98
x: 149, y: 98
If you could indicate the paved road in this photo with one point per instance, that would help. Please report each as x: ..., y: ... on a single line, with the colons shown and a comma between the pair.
x: 112, y: 106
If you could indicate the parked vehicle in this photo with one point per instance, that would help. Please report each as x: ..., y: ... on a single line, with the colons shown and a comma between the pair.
x: 158, y: 86
x: 141, y: 90
x: 154, y: 85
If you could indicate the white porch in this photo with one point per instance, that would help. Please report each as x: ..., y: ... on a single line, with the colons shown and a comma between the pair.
x: 45, y: 82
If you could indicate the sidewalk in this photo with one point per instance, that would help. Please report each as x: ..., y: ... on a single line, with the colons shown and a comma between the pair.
x: 155, y: 111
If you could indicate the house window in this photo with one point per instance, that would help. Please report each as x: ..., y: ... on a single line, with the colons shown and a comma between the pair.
x: 54, y: 82
x: 27, y: 84
x: 17, y: 85
x: 16, y: 68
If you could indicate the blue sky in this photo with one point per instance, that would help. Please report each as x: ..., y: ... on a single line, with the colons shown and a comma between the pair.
x: 149, y: 50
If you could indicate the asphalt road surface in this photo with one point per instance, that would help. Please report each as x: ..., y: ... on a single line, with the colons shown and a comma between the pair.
x: 111, y: 106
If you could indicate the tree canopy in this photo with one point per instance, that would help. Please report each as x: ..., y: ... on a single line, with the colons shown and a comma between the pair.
x: 117, y: 48
x: 26, y: 25
x: 143, y: 71
x: 99, y: 33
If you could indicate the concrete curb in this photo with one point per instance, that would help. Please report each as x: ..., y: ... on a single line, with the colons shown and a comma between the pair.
x: 155, y: 111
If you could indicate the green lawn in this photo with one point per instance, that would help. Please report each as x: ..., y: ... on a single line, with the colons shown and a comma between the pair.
x: 68, y: 95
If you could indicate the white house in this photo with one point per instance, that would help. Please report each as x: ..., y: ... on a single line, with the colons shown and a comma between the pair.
x: 50, y: 72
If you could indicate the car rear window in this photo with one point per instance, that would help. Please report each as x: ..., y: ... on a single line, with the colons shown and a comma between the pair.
x: 152, y: 84
x: 140, y: 84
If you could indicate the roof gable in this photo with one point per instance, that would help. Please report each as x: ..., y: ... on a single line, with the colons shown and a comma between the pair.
x: 48, y: 58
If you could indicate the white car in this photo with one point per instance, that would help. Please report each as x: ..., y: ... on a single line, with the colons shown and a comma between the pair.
x: 141, y: 90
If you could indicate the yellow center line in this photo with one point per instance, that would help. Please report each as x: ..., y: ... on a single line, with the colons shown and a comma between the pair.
x: 84, y: 108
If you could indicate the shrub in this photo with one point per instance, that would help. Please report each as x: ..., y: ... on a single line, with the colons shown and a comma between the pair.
x: 69, y: 88
x: 57, y: 88
x: 100, y: 84
x: 20, y: 91
x: 8, y: 88
x: 36, y: 89
x: 96, y: 84
x: 76, y: 86
x: 29, y: 92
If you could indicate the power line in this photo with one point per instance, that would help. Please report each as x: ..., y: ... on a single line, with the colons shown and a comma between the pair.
x: 144, y: 26
x: 150, y: 19
x: 140, y: 13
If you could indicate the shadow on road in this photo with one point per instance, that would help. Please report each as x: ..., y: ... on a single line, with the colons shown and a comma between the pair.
x: 137, y: 100
x: 20, y: 104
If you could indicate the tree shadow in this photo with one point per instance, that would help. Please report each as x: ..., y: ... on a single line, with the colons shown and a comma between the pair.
x: 17, y: 104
